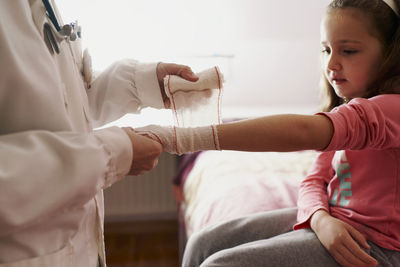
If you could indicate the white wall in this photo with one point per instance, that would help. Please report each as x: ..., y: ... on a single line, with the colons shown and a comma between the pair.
x: 267, y: 49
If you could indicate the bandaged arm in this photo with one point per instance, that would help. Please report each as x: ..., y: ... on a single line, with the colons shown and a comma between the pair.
x: 272, y: 133
x: 177, y: 140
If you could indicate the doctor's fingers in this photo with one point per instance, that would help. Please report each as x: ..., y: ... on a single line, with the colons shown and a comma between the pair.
x: 142, y: 165
x: 183, y: 71
x: 145, y: 152
x: 164, y: 69
x: 142, y: 170
x: 145, y: 148
x: 143, y: 144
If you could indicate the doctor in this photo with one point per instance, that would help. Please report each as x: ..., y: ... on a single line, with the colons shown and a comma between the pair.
x: 53, y: 165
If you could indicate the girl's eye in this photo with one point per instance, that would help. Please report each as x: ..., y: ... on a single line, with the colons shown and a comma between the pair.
x: 349, y: 51
x: 325, y: 51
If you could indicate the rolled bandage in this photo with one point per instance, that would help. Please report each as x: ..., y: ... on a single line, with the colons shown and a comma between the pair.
x: 196, y: 103
x: 208, y: 79
x: 176, y: 140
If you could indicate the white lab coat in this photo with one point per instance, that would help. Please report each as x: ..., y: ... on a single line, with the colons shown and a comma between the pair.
x: 53, y: 166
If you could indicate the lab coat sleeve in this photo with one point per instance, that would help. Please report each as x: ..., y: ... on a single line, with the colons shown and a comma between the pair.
x: 127, y: 86
x: 44, y: 173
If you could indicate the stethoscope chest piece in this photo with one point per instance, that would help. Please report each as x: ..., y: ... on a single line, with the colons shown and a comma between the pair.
x: 54, y: 34
x: 68, y: 30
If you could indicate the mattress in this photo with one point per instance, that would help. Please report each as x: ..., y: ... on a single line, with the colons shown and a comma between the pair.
x: 214, y: 186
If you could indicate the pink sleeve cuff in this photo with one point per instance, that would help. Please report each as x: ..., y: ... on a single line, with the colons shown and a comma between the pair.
x: 304, y: 217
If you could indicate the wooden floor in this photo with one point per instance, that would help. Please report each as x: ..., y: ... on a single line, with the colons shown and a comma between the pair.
x: 142, y: 244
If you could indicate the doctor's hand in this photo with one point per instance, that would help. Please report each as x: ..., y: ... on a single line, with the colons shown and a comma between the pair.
x: 145, y: 152
x: 164, y: 69
x: 344, y: 242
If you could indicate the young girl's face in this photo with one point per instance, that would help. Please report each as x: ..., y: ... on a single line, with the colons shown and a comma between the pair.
x: 351, y: 55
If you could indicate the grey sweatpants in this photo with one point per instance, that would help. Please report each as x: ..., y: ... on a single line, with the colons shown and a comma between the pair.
x: 266, y: 239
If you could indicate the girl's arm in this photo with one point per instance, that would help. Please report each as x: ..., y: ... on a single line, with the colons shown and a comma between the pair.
x: 313, y: 195
x: 280, y: 133
x: 363, y: 123
x: 271, y: 133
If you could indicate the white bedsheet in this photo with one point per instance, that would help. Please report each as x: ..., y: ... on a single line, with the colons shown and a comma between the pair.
x: 229, y: 184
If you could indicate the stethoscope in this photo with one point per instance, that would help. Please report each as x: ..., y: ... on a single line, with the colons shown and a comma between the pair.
x: 70, y: 31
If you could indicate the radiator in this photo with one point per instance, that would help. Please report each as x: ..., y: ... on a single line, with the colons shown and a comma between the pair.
x: 145, y: 196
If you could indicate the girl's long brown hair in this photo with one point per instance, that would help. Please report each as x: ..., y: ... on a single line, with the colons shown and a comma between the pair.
x: 387, y: 31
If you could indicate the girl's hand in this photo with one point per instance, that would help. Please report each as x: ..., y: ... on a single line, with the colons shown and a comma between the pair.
x: 164, y: 69
x: 341, y: 240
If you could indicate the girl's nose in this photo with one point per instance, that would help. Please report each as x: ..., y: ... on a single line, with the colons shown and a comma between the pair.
x: 333, y: 63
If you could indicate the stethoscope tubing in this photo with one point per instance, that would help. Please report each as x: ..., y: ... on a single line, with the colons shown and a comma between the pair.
x: 51, y: 14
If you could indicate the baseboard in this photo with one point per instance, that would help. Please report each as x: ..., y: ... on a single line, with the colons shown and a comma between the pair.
x: 142, y: 224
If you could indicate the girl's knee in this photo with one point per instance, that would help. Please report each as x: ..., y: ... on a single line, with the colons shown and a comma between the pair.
x: 199, y: 241
x: 222, y: 259
x: 197, y: 248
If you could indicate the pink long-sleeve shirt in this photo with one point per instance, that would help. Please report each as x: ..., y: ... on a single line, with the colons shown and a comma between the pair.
x: 357, y: 177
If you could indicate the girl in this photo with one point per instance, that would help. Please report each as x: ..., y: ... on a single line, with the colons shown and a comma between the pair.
x: 349, y: 204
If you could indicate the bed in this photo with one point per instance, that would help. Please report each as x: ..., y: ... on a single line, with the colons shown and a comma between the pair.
x: 214, y: 186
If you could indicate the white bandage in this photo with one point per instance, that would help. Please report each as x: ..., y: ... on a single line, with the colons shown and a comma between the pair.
x: 208, y: 79
x: 176, y: 140
x: 196, y: 103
